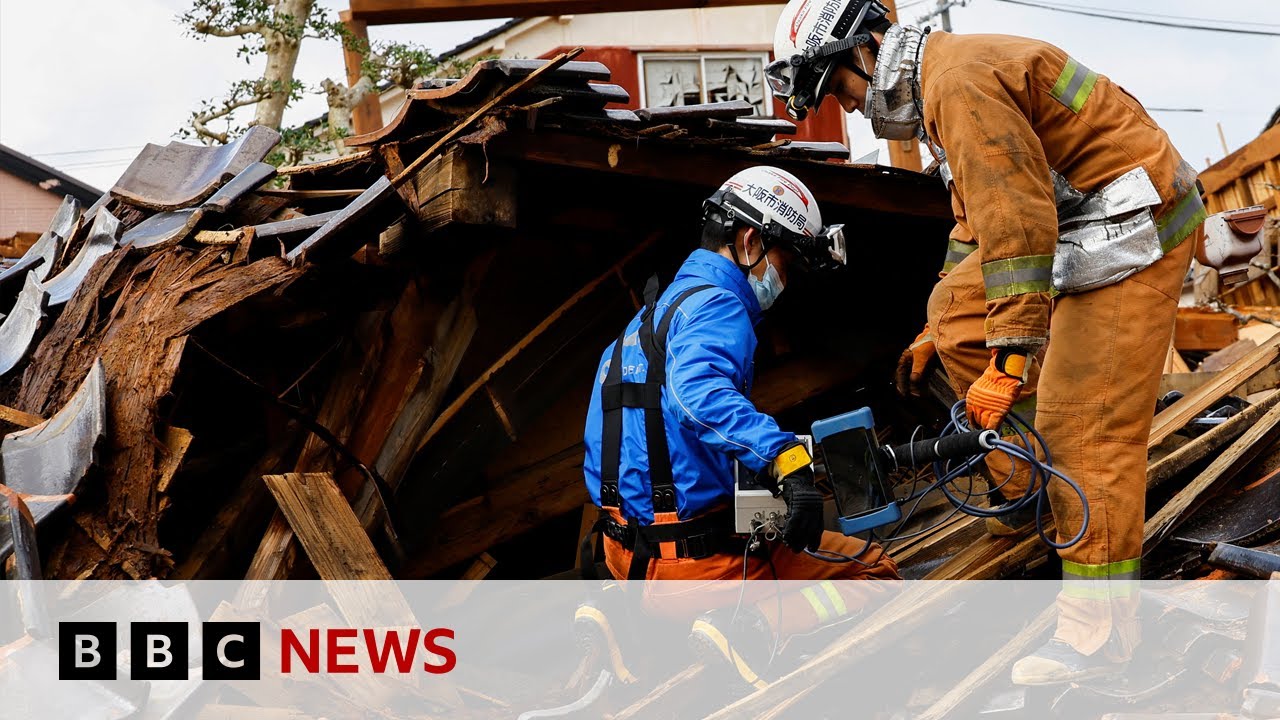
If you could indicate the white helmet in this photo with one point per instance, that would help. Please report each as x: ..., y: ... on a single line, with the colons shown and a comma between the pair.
x: 811, y: 37
x: 785, y: 212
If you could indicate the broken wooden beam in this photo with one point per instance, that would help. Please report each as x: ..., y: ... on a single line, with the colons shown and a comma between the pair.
x: 1199, y: 448
x: 1222, y: 469
x: 1019, y: 645
x: 14, y: 416
x: 326, y: 525
x: 1176, y: 416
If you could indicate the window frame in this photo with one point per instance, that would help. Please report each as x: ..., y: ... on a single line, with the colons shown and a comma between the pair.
x: 702, y: 57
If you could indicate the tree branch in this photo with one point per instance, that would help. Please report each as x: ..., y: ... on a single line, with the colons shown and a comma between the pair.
x: 206, y: 28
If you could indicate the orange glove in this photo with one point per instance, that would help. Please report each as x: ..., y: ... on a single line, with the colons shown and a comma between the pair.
x: 993, y: 394
x: 915, y: 359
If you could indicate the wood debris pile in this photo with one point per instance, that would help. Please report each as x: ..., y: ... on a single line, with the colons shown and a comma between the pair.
x: 412, y: 327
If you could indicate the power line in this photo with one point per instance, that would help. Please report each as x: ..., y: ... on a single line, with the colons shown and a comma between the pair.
x: 1072, y: 11
x: 1161, y: 16
x: 85, y: 151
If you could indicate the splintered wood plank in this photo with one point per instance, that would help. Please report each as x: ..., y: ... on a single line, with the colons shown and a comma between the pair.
x: 675, y: 685
x: 1174, y: 417
x: 1230, y: 462
x: 896, y: 619
x: 176, y: 442
x: 326, y: 525
x: 14, y: 416
x: 1199, y: 448
x: 997, y: 665
x: 994, y: 559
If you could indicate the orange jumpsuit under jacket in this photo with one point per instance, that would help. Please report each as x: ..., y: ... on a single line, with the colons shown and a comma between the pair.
x: 1007, y: 111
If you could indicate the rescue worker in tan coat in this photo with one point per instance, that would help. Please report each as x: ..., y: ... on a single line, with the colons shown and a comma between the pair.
x: 1075, y: 223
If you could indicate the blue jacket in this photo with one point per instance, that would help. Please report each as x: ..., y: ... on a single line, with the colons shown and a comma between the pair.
x: 709, y: 420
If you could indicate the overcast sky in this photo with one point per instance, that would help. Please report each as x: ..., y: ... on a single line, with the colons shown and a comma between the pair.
x: 85, y: 83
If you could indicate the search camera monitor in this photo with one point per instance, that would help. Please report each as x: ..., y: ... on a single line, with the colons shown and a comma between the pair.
x: 857, y: 471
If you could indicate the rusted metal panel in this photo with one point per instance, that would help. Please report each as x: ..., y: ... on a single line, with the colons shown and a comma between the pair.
x: 811, y: 150
x: 40, y: 257
x: 18, y: 331
x: 320, y: 241
x: 688, y: 113
x: 178, y: 175
x: 50, y: 460
x: 248, y: 179
x: 763, y: 126
x: 162, y: 230
x: 102, y: 239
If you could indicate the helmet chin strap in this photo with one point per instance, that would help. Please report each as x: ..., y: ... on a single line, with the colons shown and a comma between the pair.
x: 733, y: 249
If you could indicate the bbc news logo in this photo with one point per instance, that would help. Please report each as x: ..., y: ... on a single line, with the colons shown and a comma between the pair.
x: 233, y: 651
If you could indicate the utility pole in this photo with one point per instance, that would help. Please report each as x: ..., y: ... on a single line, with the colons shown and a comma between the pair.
x: 944, y: 9
x: 905, y: 153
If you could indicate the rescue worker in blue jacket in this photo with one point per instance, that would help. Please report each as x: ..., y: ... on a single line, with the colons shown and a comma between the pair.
x: 670, y: 413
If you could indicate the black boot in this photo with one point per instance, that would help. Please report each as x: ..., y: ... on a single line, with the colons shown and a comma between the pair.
x: 741, y: 646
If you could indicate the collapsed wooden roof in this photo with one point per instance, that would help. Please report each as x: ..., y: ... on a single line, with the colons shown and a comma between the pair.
x: 421, y: 316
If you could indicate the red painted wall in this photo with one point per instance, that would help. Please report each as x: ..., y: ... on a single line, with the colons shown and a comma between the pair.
x: 826, y: 125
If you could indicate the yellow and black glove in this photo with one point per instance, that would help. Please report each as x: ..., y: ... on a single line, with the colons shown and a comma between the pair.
x: 794, y: 470
x: 992, y: 395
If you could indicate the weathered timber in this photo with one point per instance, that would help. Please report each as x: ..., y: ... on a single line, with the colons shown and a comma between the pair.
x: 323, y: 521
x: 893, y: 621
x: 1201, y: 330
x: 234, y: 528
x: 1174, y: 417
x: 997, y: 558
x: 1222, y: 469
x: 1199, y: 448
x: 140, y: 338
x: 645, y: 706
x: 462, y: 186
x: 1019, y: 645
x: 19, y: 418
x: 528, y: 80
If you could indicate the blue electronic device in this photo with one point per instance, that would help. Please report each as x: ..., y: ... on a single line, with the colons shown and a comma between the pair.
x: 856, y: 469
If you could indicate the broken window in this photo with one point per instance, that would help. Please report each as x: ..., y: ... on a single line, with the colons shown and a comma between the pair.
x: 677, y: 80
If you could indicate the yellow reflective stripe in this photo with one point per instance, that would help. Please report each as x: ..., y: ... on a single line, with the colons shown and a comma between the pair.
x: 722, y: 644
x: 1101, y: 571
x: 620, y: 669
x: 956, y: 252
x: 834, y: 596
x: 1176, y: 225
x: 1018, y: 276
x: 1067, y: 73
x: 815, y: 602
x: 1074, y: 85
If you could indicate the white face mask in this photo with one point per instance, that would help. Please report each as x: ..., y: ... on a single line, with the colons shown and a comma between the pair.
x: 768, y: 288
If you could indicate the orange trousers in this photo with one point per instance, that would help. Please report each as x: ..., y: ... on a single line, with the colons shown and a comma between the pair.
x: 790, y: 610
x: 1095, y: 395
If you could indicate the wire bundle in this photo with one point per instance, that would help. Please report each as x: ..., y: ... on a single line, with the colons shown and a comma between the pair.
x: 1032, y: 448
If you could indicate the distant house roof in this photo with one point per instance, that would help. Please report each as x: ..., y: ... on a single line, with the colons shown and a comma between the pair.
x: 47, y: 178
x: 483, y: 37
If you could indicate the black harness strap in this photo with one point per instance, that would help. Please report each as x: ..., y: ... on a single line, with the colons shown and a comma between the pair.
x: 617, y: 394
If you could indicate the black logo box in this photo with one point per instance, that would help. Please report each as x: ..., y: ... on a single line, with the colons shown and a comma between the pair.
x: 159, y: 651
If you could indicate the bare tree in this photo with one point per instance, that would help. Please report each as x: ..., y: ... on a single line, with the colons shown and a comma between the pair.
x: 276, y: 29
